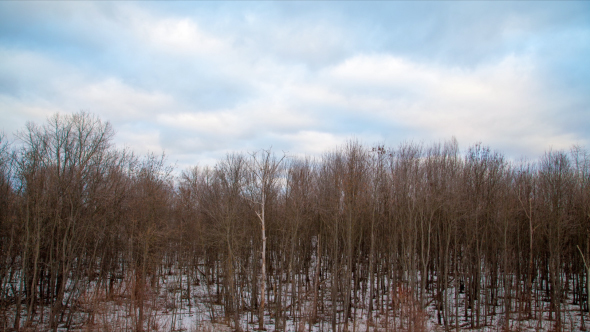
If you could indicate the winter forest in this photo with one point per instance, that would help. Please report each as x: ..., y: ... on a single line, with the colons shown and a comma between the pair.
x: 414, y: 237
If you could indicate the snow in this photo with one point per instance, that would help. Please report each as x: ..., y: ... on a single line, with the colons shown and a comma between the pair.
x: 169, y: 308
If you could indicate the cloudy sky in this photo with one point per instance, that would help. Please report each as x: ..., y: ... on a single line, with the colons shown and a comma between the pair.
x: 200, y: 79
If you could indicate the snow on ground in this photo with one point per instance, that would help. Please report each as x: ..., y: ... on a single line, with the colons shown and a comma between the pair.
x: 169, y: 308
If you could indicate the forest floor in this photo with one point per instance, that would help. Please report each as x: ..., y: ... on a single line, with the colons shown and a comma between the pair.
x: 169, y: 307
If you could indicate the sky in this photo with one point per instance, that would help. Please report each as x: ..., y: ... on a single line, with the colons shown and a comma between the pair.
x: 198, y: 80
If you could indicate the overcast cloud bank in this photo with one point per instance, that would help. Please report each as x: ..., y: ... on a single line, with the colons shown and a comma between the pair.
x: 199, y: 79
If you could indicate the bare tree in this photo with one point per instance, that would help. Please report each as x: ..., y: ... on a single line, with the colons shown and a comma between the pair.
x: 265, y: 170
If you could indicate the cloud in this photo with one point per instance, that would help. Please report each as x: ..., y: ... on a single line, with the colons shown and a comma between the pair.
x: 495, y: 103
x: 315, y: 143
x: 199, y: 80
x: 114, y: 99
x: 179, y: 36
x: 140, y: 138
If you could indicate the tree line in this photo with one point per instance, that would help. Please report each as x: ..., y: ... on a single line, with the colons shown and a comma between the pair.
x: 380, y: 232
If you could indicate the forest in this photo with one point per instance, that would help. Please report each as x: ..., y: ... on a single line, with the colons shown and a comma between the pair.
x: 416, y: 237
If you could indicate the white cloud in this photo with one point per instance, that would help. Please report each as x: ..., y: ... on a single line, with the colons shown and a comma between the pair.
x: 179, y: 35
x: 499, y: 103
x: 199, y: 86
x: 141, y: 140
x: 309, y: 142
x: 114, y: 99
x: 221, y: 123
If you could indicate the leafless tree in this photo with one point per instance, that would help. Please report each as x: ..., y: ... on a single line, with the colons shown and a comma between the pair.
x: 265, y: 172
